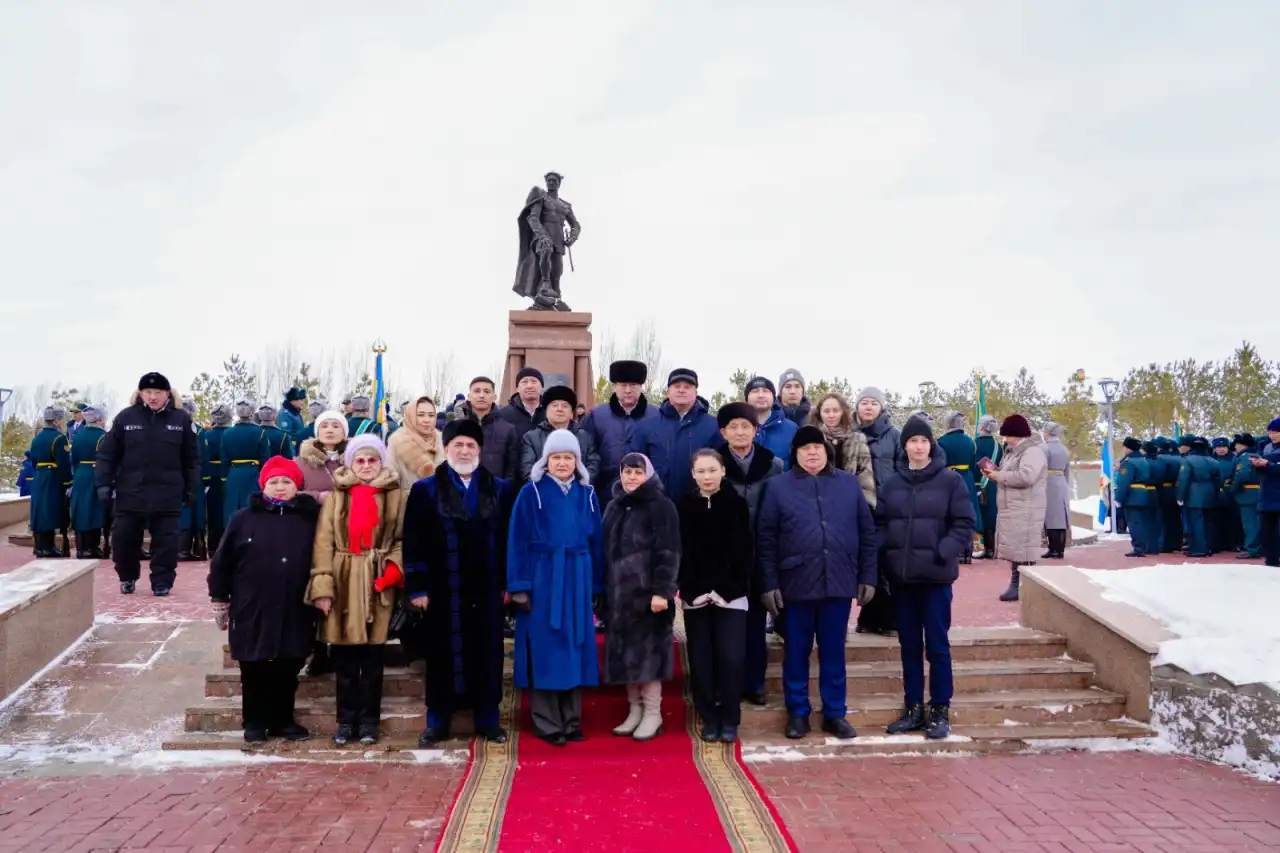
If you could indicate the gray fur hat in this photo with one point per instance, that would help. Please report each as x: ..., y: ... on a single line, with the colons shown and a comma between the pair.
x: 953, y: 420
x: 266, y: 414
x: 318, y: 407
x: 361, y: 403
x: 922, y: 415
x: 93, y: 414
x: 221, y: 414
x: 871, y: 392
x: 189, y: 405
x: 1052, y: 430
x: 244, y: 410
x: 53, y: 413
x: 987, y: 424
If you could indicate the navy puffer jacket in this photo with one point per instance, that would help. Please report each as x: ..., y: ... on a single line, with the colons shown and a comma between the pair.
x: 926, y: 520
x: 885, y: 441
x: 611, y: 427
x: 816, y: 537
x: 670, y: 442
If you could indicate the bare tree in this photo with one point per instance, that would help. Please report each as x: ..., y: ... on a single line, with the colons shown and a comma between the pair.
x: 352, y: 364
x: 277, y: 366
x: 644, y: 345
x: 438, y: 377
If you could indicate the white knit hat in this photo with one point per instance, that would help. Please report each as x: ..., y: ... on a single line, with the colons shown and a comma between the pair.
x: 331, y: 415
x: 560, y: 441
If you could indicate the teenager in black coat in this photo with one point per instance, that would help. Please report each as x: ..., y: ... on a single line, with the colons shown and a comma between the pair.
x: 717, y: 568
x: 926, y: 518
x: 257, y: 580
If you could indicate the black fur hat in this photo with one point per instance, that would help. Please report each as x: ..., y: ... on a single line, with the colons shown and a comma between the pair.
x: 732, y: 411
x: 628, y: 371
x: 464, y: 427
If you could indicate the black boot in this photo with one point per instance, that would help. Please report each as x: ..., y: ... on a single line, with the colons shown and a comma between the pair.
x: 797, y: 726
x: 912, y: 720
x: 184, y: 546
x: 40, y: 550
x: 939, y: 722
x: 839, y: 728
x: 1015, y: 580
x: 320, y: 663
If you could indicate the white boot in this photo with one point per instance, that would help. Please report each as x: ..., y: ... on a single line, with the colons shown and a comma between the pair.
x: 651, y: 722
x: 632, y: 721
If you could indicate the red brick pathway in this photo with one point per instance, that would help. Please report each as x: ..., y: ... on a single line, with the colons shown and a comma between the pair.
x: 1126, y: 802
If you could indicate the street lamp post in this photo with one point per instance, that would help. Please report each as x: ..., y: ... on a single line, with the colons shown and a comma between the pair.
x: 1109, y: 388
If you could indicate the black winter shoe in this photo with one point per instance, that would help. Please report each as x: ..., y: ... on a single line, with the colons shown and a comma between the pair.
x: 368, y: 735
x: 756, y: 698
x: 128, y: 587
x: 839, y: 727
x: 320, y: 663
x: 728, y: 734
x: 912, y: 720
x: 344, y: 735
x: 575, y: 736
x: 160, y: 591
x: 1136, y: 554
x: 255, y: 735
x: 939, y: 722
x: 1015, y: 580
x: 710, y: 732
x: 496, y: 734
x: 292, y: 732
x: 797, y: 727
x: 432, y: 737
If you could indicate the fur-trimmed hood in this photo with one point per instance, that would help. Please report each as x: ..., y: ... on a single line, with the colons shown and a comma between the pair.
x: 311, y: 452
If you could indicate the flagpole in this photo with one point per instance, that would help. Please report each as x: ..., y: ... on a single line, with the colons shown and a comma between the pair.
x: 379, y: 388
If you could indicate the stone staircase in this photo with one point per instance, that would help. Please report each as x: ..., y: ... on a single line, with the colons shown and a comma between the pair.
x: 1015, y: 687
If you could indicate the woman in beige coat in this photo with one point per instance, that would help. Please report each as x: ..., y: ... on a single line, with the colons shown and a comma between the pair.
x: 1021, y: 499
x: 415, y: 450
x: 356, y: 568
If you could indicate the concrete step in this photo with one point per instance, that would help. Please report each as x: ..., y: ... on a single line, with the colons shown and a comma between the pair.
x: 1005, y: 643
x: 970, y: 676
x: 994, y: 708
x: 400, y: 715
x: 964, y: 739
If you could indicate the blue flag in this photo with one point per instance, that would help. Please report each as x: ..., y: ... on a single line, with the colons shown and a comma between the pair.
x: 1104, y: 485
x: 379, y: 393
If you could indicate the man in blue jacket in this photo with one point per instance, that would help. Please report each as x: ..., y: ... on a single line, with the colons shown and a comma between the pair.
x: 289, y: 418
x: 775, y: 429
x: 612, y: 425
x: 1268, y: 460
x: 681, y: 428
x: 817, y: 550
x: 1199, y: 482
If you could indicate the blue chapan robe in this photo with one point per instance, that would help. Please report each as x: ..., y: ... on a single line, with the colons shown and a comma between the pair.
x: 556, y: 555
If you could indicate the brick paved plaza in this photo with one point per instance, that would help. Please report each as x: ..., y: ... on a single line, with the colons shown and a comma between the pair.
x: 81, y: 770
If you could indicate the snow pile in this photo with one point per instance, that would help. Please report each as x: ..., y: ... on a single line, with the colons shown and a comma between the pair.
x: 1089, y: 506
x: 1223, y: 613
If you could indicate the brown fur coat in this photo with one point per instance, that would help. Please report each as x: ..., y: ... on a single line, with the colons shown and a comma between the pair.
x: 411, y: 454
x: 358, y: 615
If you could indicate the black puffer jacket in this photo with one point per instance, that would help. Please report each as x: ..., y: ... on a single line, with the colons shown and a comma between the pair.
x: 926, y: 520
x: 716, y: 546
x: 885, y: 441
x: 518, y: 416
x: 151, y: 460
x: 262, y: 566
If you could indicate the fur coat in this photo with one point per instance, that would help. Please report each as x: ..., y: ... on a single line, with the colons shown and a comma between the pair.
x: 413, y: 455
x: 1022, y: 498
x: 317, y: 468
x: 642, y: 559
x: 358, y: 615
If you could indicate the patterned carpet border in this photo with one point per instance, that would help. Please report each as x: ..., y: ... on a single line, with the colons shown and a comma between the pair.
x: 751, y: 823
x: 474, y: 823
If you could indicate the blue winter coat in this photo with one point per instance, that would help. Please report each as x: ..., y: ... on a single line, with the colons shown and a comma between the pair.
x: 816, y: 537
x: 290, y: 421
x: 244, y: 450
x: 776, y: 434
x: 960, y: 453
x: 1199, y: 481
x: 87, y: 512
x: 1226, y: 467
x: 278, y: 442
x: 926, y: 521
x: 26, y: 475
x: 53, y: 478
x: 555, y: 553
x: 670, y: 442
x: 612, y: 428
x: 1270, y: 500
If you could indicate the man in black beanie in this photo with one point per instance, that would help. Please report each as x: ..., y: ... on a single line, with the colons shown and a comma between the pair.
x: 612, y: 424
x: 148, y: 467
x: 524, y: 410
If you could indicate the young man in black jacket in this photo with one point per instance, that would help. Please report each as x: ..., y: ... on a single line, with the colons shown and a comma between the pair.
x: 925, y: 517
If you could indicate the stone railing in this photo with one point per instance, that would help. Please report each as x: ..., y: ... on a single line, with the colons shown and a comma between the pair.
x: 45, y: 607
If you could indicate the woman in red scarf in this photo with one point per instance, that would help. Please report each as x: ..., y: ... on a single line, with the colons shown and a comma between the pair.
x: 353, y: 578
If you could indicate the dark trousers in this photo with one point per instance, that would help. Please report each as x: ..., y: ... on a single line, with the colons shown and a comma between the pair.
x: 877, y: 616
x: 1144, y: 529
x: 827, y: 621
x: 126, y: 540
x: 1197, y: 530
x: 359, y: 682
x: 715, y: 642
x: 555, y: 712
x: 923, y: 612
x: 1249, y: 526
x: 1171, y: 515
x: 213, y: 508
x: 268, y: 689
x: 1222, y: 527
x: 1269, y: 534
x: 757, y: 649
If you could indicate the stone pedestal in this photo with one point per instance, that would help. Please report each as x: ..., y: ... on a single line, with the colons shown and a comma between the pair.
x: 556, y: 342
x: 45, y: 606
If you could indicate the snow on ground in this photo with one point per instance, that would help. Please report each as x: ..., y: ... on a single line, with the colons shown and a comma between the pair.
x: 10, y: 496
x: 1223, y: 613
x: 1089, y: 506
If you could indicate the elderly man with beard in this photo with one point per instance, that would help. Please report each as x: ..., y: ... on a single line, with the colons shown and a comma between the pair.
x: 455, y: 554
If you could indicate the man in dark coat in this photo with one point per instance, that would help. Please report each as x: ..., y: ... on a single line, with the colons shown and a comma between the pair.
x: 151, y: 462
x: 558, y: 402
x: 278, y: 441
x: 747, y: 468
x: 360, y: 420
x: 211, y: 473
x: 1246, y: 488
x: 817, y: 550
x: 455, y: 554
x: 1167, y: 490
x: 795, y: 405
x: 88, y: 516
x: 289, y: 418
x: 612, y: 424
x: 925, y: 514
x: 986, y: 447
x: 1199, y: 482
x: 960, y: 454
x: 501, y: 452
x: 525, y: 410
x: 1135, y: 491
x: 683, y: 427
x: 53, y: 477
x: 1224, y: 526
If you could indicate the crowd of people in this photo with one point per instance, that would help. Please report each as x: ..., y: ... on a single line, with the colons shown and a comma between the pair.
x: 771, y: 514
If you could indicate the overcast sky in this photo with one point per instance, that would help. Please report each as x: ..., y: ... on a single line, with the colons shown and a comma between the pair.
x: 894, y: 192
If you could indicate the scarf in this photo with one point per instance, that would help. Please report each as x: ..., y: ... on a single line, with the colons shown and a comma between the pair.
x: 275, y: 501
x: 418, y: 453
x: 837, y: 434
x: 363, y: 517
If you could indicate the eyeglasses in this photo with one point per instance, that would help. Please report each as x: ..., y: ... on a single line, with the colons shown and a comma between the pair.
x: 366, y: 460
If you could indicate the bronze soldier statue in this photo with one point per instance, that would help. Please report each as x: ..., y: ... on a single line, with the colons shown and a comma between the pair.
x: 547, y: 229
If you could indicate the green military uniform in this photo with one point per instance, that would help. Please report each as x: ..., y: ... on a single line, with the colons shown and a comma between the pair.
x: 1198, y: 484
x: 244, y: 450
x: 88, y: 515
x: 1135, y: 492
x: 1225, y: 521
x: 1246, y: 489
x: 1170, y: 512
x: 53, y: 478
x: 986, y: 447
x: 278, y: 441
x: 211, y: 475
x: 360, y: 425
x: 1155, y: 473
x: 962, y: 457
